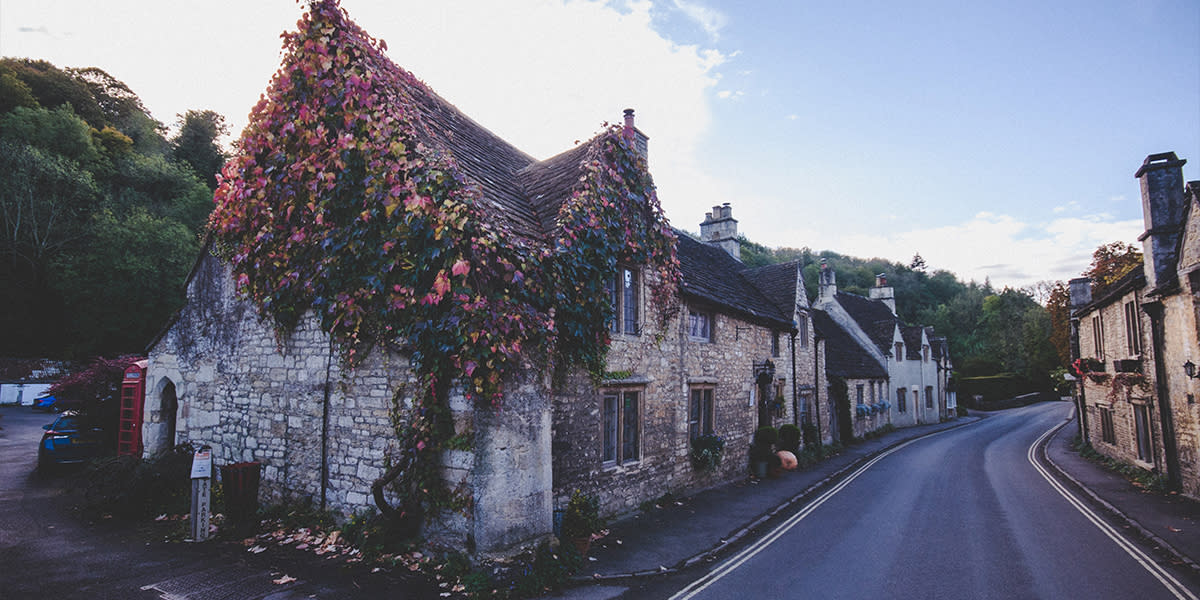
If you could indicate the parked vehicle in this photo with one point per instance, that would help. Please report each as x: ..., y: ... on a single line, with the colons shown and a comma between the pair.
x: 46, y: 404
x: 71, y: 438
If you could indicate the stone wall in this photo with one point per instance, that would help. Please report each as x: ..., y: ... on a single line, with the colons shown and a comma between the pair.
x: 289, y: 404
x: 663, y: 364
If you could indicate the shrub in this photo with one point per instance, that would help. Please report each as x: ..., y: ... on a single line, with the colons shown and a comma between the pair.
x: 789, y: 438
x: 811, y: 435
x: 707, y: 451
x: 766, y: 436
x: 582, y: 517
x: 129, y: 487
x: 960, y: 411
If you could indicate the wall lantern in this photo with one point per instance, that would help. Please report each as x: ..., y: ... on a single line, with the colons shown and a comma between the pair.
x: 1189, y: 369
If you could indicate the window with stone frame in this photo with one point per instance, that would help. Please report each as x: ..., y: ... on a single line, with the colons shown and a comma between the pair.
x: 929, y: 396
x: 901, y: 400
x: 1098, y: 336
x: 1133, y: 333
x: 779, y: 404
x: 858, y: 394
x: 700, y: 325
x: 775, y: 344
x: 1108, y: 433
x: 871, y: 385
x: 624, y: 295
x: 899, y: 351
x: 1142, y: 432
x: 925, y: 353
x: 622, y: 423
x: 802, y: 330
x: 702, y: 411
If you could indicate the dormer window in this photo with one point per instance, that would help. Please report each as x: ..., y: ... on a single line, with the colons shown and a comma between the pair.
x: 624, y: 296
x: 925, y: 353
x: 899, y: 351
x: 700, y: 325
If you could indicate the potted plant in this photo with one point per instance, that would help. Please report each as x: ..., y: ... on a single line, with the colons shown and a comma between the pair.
x: 707, y: 450
x: 789, y: 438
x: 762, y: 450
x: 580, y: 520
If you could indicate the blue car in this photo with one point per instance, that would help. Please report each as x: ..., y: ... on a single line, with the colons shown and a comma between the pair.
x: 71, y: 438
x: 46, y: 403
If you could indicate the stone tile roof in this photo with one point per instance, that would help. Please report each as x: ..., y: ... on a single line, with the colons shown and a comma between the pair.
x: 777, y: 283
x: 875, y: 318
x: 844, y: 357
x: 714, y: 277
x: 912, y: 341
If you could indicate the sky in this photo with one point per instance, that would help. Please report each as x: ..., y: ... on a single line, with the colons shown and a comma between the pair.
x: 996, y: 139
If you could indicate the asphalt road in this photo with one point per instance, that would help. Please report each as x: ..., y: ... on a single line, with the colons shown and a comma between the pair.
x: 48, y: 550
x: 961, y: 514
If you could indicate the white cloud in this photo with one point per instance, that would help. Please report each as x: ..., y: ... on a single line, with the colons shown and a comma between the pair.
x: 991, y: 246
x: 709, y: 19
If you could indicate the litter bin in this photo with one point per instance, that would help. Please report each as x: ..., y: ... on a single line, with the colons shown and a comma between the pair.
x: 240, y: 484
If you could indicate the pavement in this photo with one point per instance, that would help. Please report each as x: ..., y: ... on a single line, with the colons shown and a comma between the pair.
x: 679, y: 533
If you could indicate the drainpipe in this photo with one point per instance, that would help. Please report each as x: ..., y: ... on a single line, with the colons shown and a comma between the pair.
x: 325, y: 428
x: 795, y: 384
x: 817, y: 385
x: 1155, y: 311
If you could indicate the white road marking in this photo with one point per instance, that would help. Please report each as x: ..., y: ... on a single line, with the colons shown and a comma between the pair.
x: 1173, y: 585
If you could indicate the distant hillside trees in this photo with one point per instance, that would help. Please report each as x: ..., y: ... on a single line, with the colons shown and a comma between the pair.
x: 100, y: 213
x: 989, y: 331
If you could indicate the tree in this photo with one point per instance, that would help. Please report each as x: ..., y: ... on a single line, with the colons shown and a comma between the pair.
x: 58, y: 130
x: 1110, y: 262
x: 14, y: 92
x: 1058, y: 306
x: 917, y: 263
x: 196, y: 144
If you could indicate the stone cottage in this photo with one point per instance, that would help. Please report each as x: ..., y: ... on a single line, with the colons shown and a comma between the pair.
x: 738, y: 352
x: 905, y: 379
x: 1137, y: 342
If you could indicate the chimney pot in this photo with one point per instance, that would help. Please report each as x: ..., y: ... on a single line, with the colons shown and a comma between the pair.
x: 720, y: 229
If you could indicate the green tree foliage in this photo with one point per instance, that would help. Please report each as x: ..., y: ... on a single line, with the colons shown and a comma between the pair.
x: 100, y: 223
x: 196, y: 144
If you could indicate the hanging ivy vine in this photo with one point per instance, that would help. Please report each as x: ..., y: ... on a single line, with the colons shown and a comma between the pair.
x: 333, y: 206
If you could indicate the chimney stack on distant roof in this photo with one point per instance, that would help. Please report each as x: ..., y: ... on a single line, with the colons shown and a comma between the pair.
x: 827, y: 283
x: 884, y: 292
x: 634, y: 136
x: 720, y: 229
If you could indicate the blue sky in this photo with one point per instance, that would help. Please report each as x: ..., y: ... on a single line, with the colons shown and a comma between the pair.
x: 999, y: 140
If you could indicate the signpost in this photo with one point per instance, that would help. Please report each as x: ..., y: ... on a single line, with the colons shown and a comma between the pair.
x: 201, y: 493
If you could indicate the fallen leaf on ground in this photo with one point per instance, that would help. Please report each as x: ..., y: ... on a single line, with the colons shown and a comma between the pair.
x: 283, y: 580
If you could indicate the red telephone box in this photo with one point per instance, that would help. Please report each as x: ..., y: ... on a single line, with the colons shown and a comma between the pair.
x: 133, y: 396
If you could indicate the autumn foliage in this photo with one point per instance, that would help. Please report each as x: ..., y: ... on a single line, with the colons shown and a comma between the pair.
x: 335, y: 207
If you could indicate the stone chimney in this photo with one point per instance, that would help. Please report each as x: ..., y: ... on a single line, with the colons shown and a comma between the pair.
x: 720, y: 229
x: 1161, y: 177
x: 883, y: 291
x: 634, y: 135
x: 1080, y: 290
x: 826, y: 284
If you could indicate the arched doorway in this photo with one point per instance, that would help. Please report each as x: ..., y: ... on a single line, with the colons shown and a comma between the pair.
x: 169, y: 409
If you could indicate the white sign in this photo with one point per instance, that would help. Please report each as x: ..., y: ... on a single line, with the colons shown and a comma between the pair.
x: 202, y: 464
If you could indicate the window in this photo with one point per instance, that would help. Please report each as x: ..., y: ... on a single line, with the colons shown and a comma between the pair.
x: 1141, y: 417
x: 901, y: 400
x: 872, y: 384
x: 1133, y: 341
x: 1107, y: 433
x: 802, y: 326
x: 622, y: 431
x: 899, y: 351
x: 699, y: 325
x: 925, y: 353
x: 1098, y: 336
x: 916, y: 398
x: 624, y: 298
x: 928, y: 394
x: 700, y: 420
x: 858, y: 394
x: 775, y: 344
x: 780, y: 409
